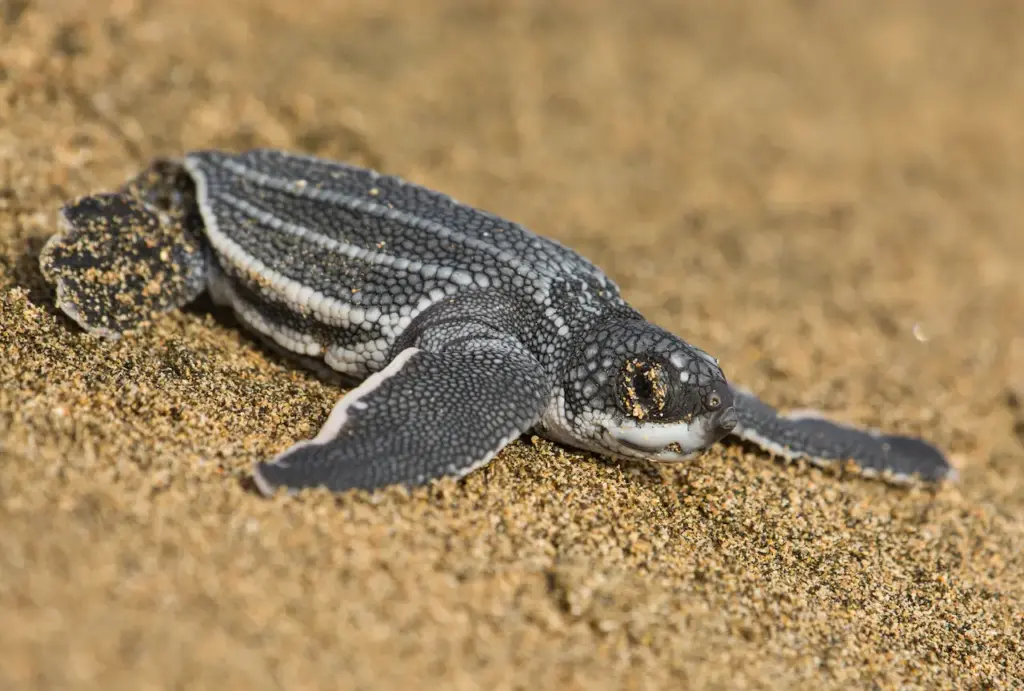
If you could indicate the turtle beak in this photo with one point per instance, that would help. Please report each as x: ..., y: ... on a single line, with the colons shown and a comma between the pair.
x: 669, y: 443
x: 725, y: 422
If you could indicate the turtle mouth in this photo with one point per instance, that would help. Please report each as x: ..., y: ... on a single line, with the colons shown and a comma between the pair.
x: 658, y: 443
x: 673, y: 453
x: 671, y: 442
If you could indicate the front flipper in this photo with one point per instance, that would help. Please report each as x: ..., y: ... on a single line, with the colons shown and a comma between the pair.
x: 824, y: 443
x: 426, y: 415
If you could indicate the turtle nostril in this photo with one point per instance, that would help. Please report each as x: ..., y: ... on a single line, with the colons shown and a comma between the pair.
x: 728, y: 420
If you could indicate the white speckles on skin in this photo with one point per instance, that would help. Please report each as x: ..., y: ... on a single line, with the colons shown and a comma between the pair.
x: 346, y: 362
x: 244, y: 197
x: 357, y: 359
x: 368, y: 206
x: 590, y: 308
x: 709, y: 358
x: 301, y: 298
x: 554, y: 423
x: 353, y: 360
x: 231, y: 254
x: 222, y: 291
x: 684, y: 377
x: 345, y: 249
x: 335, y: 312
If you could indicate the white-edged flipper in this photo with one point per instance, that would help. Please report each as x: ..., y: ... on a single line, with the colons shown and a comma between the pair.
x: 823, y: 442
x: 426, y: 415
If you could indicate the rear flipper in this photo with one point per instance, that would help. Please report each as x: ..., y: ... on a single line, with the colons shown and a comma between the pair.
x: 823, y: 442
x: 426, y: 415
x: 120, y: 258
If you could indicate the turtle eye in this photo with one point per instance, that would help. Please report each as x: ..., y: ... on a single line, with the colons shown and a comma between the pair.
x: 643, y: 389
x: 713, y: 401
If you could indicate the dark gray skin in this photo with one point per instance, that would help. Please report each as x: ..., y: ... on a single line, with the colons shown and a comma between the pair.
x: 465, y: 329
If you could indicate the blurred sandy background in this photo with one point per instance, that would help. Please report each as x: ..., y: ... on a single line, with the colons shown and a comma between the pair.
x: 826, y: 195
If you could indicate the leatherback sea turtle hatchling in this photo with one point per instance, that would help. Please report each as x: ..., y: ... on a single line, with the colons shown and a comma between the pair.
x: 465, y: 329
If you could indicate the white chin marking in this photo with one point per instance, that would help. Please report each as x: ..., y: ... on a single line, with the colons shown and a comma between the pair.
x: 653, y: 441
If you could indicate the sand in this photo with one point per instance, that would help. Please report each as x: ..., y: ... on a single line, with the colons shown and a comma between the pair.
x: 827, y: 196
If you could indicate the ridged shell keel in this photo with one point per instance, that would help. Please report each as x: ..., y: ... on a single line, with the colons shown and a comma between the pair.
x: 335, y: 261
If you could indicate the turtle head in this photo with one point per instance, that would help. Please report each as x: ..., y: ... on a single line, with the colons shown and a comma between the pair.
x: 636, y: 390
